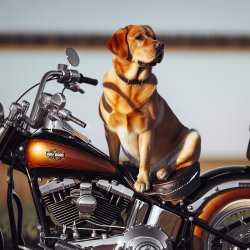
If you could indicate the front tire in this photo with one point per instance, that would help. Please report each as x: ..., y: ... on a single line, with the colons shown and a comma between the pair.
x: 228, y: 212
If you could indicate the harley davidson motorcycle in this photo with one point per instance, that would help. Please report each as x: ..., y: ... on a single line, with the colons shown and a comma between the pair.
x: 88, y: 203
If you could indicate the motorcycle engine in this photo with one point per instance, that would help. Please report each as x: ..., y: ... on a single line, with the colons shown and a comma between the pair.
x: 90, y: 204
x: 102, y: 213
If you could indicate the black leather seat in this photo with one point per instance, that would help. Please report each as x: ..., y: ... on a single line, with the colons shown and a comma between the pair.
x: 178, y: 186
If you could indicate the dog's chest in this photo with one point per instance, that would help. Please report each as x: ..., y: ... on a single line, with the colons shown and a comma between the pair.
x: 128, y: 127
x: 129, y: 142
x: 127, y: 98
x: 134, y: 122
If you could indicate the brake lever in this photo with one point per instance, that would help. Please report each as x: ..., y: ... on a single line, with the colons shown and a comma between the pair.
x: 75, y: 88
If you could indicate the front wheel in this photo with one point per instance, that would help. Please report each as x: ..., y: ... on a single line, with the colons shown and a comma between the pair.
x: 229, y: 213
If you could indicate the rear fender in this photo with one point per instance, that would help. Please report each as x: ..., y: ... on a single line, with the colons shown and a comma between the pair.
x: 218, y: 188
x: 218, y: 181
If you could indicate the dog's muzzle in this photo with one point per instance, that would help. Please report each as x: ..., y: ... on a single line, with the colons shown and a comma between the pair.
x: 159, y: 47
x: 158, y: 59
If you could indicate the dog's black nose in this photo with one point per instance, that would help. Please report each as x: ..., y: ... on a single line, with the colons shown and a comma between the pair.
x: 159, y: 45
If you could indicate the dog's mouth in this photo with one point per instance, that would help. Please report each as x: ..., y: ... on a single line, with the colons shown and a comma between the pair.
x: 156, y: 60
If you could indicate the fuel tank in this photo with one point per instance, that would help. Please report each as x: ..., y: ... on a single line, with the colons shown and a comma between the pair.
x: 59, y: 153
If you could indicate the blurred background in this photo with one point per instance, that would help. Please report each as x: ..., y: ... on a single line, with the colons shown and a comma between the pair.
x: 204, y: 76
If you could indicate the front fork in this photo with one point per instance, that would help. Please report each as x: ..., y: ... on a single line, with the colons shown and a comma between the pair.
x: 40, y: 210
x: 16, y: 227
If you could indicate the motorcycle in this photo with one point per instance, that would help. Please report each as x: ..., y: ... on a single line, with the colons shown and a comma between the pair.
x: 88, y: 203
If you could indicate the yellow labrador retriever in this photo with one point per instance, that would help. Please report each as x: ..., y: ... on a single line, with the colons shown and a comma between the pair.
x: 135, y: 116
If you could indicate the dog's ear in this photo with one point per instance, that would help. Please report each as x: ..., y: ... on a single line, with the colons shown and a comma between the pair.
x: 150, y: 31
x: 118, y: 44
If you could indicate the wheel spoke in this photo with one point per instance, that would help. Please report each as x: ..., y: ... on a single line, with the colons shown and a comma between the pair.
x: 241, y: 217
x: 232, y: 222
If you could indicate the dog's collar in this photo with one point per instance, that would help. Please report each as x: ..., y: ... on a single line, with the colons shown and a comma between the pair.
x: 134, y: 81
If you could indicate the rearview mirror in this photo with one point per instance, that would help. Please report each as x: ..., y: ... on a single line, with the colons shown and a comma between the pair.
x: 72, y: 57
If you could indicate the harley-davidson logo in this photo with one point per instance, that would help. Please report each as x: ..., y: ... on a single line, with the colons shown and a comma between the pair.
x: 55, y: 155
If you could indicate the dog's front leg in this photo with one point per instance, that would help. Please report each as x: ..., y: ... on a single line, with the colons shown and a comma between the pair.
x: 113, y: 145
x: 145, y: 145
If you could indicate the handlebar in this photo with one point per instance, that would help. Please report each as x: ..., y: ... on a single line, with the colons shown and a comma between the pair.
x: 65, y: 114
x: 51, y: 73
x: 65, y: 76
x: 88, y: 80
x: 45, y: 105
x: 69, y: 75
x: 77, y: 121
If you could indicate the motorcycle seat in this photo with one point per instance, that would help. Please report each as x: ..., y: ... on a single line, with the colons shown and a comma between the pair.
x: 178, y: 186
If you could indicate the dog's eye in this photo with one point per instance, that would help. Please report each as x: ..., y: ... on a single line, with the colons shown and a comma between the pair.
x: 140, y: 37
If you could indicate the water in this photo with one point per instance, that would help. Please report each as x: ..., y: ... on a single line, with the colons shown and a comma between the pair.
x: 208, y: 90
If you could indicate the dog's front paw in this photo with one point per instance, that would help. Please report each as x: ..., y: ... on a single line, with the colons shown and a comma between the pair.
x: 162, y: 174
x: 142, y: 183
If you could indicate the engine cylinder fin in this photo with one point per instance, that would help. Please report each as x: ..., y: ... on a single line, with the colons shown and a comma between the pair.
x: 66, y: 213
x: 68, y: 221
x: 98, y: 215
x: 103, y: 222
x: 107, y: 205
x: 62, y: 209
x: 65, y: 221
x: 108, y: 209
x: 111, y: 212
x: 59, y: 204
x: 64, y: 202
x: 69, y: 214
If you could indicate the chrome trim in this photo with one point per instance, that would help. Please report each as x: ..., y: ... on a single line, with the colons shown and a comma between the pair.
x: 86, y: 202
x: 57, y: 101
x: 69, y: 129
x: 138, y: 237
x: 138, y: 213
x: 55, y: 186
x: 86, y: 205
x: 116, y: 188
x: 103, y: 225
x: 25, y: 106
x: 15, y: 112
x: 53, y: 73
x: 64, y: 126
x: 244, y: 183
x: 168, y: 222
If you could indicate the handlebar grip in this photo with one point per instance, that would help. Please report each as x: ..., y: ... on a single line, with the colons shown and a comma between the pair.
x: 87, y: 80
x: 76, y: 120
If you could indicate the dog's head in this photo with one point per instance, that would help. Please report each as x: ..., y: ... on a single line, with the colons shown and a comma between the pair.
x: 138, y: 44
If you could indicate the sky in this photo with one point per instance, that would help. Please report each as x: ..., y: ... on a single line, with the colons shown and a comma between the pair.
x: 207, y: 90
x: 98, y: 16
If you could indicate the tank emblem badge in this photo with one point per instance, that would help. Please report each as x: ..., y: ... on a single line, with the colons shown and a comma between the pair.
x: 55, y: 154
